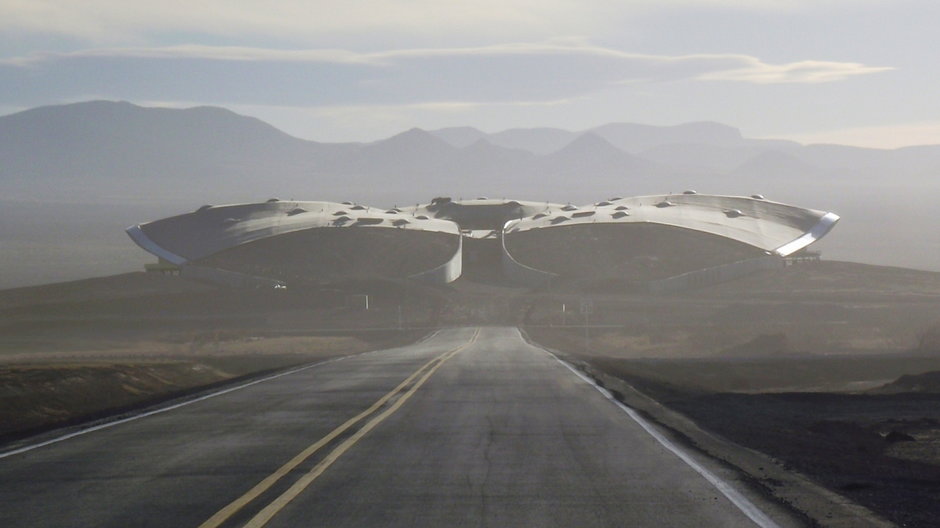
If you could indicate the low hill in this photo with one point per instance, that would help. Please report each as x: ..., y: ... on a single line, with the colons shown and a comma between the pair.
x: 928, y: 382
x: 59, y: 165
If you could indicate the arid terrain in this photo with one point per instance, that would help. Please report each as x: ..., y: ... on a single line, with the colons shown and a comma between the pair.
x: 828, y: 369
x: 84, y: 350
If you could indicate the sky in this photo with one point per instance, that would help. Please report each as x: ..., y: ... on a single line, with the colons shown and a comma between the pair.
x: 857, y: 72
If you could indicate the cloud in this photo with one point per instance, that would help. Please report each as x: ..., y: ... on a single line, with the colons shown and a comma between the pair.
x: 113, y: 21
x: 300, y: 20
x: 507, y: 73
x: 810, y: 72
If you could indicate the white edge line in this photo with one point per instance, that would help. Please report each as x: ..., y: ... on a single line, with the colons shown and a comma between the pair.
x: 740, y: 501
x: 106, y: 425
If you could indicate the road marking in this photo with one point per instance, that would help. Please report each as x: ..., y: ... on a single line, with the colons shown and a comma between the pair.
x: 106, y: 425
x: 274, y: 507
x: 109, y: 424
x: 747, y: 507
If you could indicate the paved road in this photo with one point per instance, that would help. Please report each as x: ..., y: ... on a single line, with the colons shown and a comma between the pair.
x: 468, y: 428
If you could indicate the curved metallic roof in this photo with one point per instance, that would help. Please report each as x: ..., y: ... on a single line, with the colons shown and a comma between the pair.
x: 480, y: 214
x: 772, y: 226
x: 210, y: 229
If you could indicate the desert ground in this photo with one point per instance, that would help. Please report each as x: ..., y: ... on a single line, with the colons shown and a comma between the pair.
x: 828, y: 370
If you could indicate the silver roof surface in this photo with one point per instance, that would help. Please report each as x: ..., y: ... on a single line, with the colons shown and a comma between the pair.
x: 772, y: 226
x: 210, y: 229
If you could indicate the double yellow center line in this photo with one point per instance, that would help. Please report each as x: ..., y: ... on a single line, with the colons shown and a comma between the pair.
x: 421, y: 375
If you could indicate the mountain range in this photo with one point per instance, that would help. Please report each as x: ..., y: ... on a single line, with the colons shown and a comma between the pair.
x: 161, y: 161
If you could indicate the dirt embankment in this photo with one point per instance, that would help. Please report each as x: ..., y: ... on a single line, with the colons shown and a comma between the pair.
x: 44, y: 390
x: 829, y: 370
x: 81, y: 350
x: 881, y: 451
x: 36, y: 397
x: 838, y: 419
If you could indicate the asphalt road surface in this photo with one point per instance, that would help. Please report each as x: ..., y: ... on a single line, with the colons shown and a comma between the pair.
x: 471, y: 427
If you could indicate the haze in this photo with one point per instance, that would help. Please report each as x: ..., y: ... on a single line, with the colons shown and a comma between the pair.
x: 839, y: 71
x: 500, y: 262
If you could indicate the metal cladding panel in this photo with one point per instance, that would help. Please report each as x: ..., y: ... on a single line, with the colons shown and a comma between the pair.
x: 482, y: 213
x: 771, y: 226
x: 445, y: 273
x: 211, y: 229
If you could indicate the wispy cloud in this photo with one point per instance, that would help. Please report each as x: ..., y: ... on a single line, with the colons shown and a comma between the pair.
x: 301, y: 20
x: 539, y: 71
x: 809, y: 71
x: 193, y: 51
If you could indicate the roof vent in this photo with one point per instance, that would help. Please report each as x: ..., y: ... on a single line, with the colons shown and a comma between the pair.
x: 392, y: 211
x: 421, y: 217
x: 620, y: 214
x: 757, y: 196
x: 341, y: 220
x: 272, y: 200
x: 615, y: 198
x: 559, y: 219
x: 357, y: 208
x: 296, y: 211
x: 540, y: 215
x: 601, y: 204
x: 582, y: 214
x: 733, y: 213
x: 690, y: 191
x: 400, y: 222
x: 664, y: 203
x: 347, y: 203
x: 569, y: 207
x: 339, y: 213
x: 622, y: 208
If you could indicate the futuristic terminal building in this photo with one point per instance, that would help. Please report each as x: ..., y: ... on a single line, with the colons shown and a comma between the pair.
x: 660, y: 243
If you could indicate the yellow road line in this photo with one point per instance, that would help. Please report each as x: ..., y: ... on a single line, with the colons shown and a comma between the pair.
x: 279, y: 503
x: 225, y: 513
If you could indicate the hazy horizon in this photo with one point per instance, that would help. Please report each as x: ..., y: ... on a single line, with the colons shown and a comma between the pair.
x: 838, y: 72
x: 832, y: 71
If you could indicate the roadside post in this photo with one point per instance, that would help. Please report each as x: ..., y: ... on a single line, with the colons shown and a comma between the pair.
x: 587, y: 308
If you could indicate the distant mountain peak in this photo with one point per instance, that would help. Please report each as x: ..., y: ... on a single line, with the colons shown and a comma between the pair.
x: 480, y: 144
x: 411, y: 133
x: 712, y: 127
x: 460, y: 137
x: 589, y: 141
x: 412, y: 137
x: 589, y: 153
